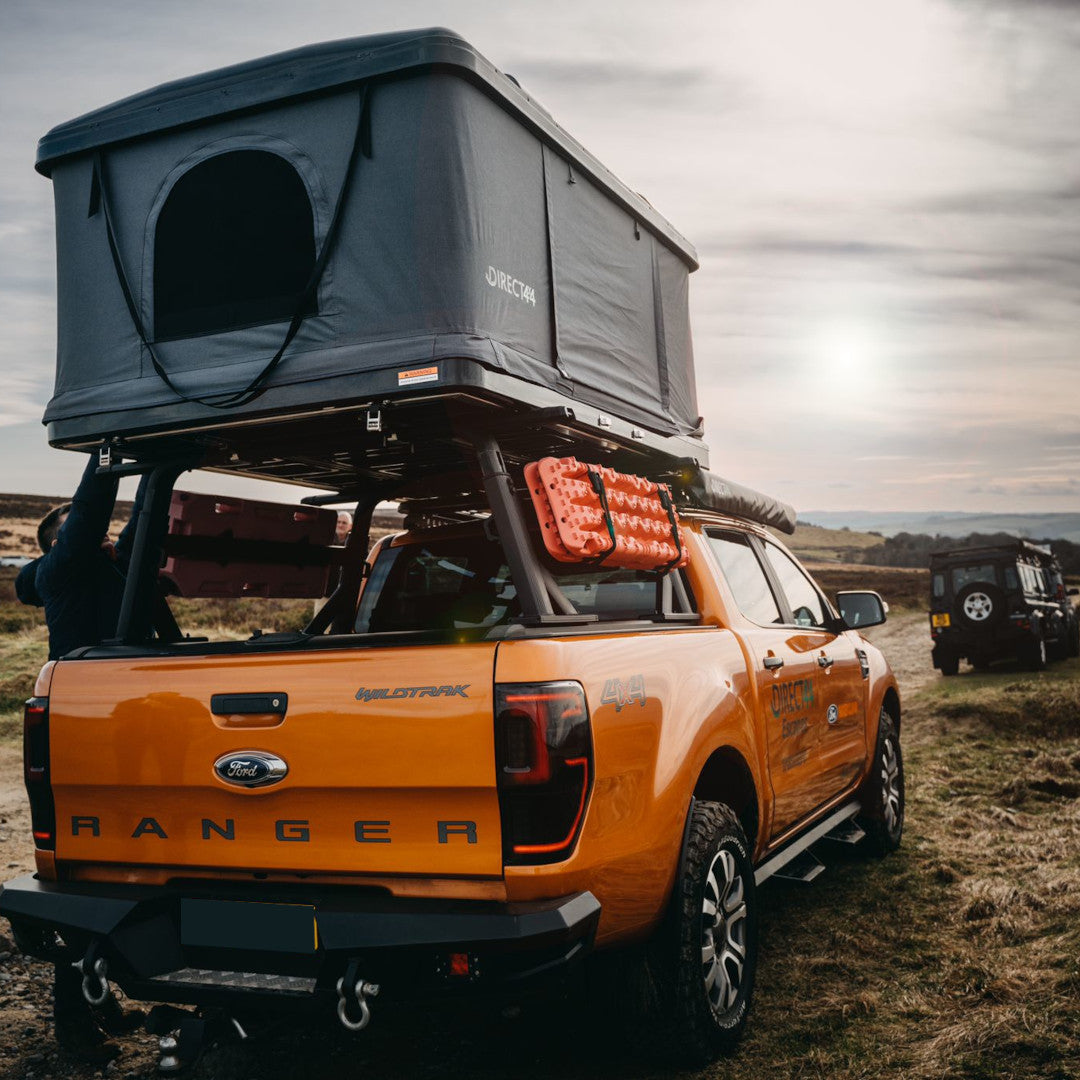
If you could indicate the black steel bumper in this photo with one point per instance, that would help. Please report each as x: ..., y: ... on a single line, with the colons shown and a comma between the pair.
x: 196, y: 944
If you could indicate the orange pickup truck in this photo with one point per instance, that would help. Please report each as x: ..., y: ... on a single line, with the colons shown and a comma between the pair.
x: 444, y: 794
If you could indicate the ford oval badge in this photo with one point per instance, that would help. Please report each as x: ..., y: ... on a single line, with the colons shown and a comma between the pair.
x: 250, y: 768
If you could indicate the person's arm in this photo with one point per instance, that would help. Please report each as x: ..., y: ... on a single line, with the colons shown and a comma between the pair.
x: 127, y: 537
x: 87, y: 522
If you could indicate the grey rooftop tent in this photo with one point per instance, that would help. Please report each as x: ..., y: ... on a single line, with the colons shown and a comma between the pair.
x: 345, y: 222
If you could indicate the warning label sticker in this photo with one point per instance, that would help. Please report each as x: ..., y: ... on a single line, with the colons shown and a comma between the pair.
x: 418, y: 375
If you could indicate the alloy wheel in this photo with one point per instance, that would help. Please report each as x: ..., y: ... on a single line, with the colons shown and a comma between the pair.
x: 890, y: 784
x: 723, y: 940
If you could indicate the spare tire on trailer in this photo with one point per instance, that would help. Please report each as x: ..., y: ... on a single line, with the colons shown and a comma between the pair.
x: 980, y: 604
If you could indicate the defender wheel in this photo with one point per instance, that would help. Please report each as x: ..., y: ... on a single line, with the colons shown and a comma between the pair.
x: 980, y: 605
x: 1072, y: 647
x: 883, y: 792
x: 950, y: 665
x: 708, y: 958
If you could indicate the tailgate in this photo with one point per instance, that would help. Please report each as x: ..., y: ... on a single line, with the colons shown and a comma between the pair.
x: 389, y: 755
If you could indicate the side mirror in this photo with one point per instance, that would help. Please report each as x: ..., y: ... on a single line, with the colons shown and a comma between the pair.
x: 861, y: 609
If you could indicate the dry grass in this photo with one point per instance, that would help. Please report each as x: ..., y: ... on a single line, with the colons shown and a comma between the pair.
x: 959, y: 957
x: 818, y: 544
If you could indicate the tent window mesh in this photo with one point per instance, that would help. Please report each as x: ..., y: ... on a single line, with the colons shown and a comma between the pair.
x: 234, y: 246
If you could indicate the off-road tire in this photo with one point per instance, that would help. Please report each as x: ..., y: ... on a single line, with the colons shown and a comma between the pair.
x: 882, y: 792
x: 706, y: 1020
x: 980, y: 605
x: 1072, y: 641
x: 949, y: 663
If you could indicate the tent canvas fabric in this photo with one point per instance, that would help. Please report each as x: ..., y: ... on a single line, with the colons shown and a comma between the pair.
x: 470, y: 226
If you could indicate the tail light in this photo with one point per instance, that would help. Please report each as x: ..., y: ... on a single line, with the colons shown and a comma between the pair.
x: 36, y: 772
x: 543, y: 750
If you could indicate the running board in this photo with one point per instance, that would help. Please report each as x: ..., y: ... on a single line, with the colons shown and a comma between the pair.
x: 801, y: 870
x: 847, y: 832
x: 793, y: 850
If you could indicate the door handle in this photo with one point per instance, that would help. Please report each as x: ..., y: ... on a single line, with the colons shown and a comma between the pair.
x: 249, y: 704
x: 825, y: 662
x: 773, y: 663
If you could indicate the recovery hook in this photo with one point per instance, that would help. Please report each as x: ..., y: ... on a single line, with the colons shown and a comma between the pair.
x: 352, y: 985
x: 95, y: 980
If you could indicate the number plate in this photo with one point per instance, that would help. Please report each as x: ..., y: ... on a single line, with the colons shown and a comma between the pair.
x: 229, y: 924
x: 940, y: 620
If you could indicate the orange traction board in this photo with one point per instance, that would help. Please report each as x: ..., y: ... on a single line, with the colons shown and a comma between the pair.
x: 590, y: 513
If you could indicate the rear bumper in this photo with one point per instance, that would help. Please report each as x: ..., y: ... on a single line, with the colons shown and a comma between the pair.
x: 1005, y: 639
x: 194, y: 945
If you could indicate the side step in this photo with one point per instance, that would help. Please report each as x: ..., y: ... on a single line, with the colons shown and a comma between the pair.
x: 838, y: 819
x: 847, y: 832
x: 801, y: 870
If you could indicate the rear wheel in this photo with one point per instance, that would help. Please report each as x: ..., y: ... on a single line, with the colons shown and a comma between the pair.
x: 949, y: 663
x: 883, y: 792
x: 706, y: 961
x: 1072, y: 647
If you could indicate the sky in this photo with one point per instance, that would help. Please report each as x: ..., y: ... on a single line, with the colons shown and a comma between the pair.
x: 884, y: 195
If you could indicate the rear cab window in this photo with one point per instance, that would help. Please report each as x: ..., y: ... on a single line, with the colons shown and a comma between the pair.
x: 463, y: 583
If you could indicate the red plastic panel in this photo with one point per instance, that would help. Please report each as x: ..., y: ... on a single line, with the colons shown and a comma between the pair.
x: 214, y: 517
x: 575, y: 526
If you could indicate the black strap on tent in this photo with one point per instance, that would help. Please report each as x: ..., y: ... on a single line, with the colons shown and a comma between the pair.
x: 99, y: 199
x: 665, y: 501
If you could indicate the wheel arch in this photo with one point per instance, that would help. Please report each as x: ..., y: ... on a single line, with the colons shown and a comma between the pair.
x: 726, y: 778
x: 891, y: 704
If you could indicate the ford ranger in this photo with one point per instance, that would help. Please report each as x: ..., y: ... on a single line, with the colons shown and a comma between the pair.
x: 449, y: 790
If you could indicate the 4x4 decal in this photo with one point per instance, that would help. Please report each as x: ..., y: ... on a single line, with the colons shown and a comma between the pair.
x: 618, y: 693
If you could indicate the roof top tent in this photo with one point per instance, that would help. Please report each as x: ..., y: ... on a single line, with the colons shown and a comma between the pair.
x: 345, y: 230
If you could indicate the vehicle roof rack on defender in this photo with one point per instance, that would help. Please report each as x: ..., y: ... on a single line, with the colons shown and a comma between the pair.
x: 1018, y: 546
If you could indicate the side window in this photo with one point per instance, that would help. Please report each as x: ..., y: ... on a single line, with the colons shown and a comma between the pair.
x: 804, y: 599
x: 745, y: 577
x: 234, y: 246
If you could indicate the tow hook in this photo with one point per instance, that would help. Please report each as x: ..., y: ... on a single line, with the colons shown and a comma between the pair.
x: 183, y: 1036
x: 352, y: 985
x: 95, y: 977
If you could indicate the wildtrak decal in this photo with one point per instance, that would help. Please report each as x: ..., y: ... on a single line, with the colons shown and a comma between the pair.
x: 380, y: 692
x: 618, y: 693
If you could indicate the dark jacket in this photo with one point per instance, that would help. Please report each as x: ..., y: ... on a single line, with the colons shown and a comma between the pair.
x: 80, y: 585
